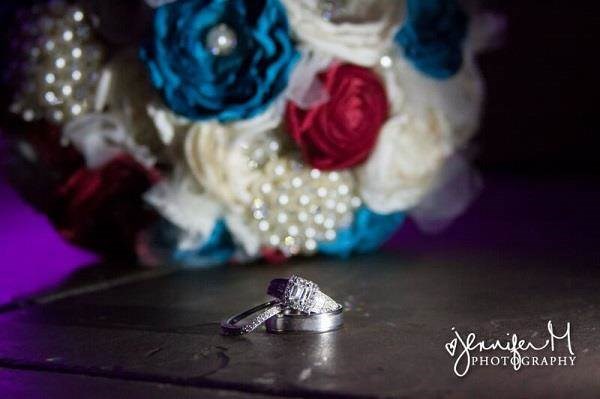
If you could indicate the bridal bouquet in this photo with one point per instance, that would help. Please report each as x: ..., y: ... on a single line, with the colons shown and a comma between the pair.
x: 202, y: 132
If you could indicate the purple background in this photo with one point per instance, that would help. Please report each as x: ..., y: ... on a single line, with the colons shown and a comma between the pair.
x: 33, y: 256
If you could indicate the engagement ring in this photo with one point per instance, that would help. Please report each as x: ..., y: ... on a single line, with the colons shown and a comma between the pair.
x: 301, y: 294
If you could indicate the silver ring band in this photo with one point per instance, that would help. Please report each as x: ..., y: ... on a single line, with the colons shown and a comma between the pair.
x: 289, y: 321
x: 232, y: 325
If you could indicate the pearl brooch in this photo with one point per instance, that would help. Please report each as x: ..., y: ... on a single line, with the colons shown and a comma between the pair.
x: 294, y: 206
x: 292, y: 215
x: 59, y: 59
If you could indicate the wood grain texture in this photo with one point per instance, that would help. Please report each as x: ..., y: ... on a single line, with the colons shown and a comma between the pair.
x: 26, y: 384
x: 400, y: 312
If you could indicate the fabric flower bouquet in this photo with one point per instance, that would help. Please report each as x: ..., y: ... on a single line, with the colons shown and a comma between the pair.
x: 201, y: 132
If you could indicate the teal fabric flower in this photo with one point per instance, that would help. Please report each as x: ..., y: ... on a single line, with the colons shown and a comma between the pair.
x: 161, y: 243
x: 220, y: 59
x: 367, y: 233
x: 216, y: 250
x: 433, y: 36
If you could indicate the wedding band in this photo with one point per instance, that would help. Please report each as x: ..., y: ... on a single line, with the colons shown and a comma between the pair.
x: 290, y: 321
x: 232, y: 325
x: 301, y: 294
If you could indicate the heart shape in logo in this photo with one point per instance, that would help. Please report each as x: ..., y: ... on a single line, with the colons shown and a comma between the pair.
x: 451, y: 347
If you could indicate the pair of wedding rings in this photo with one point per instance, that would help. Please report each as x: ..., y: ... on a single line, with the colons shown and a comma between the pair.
x: 298, y: 306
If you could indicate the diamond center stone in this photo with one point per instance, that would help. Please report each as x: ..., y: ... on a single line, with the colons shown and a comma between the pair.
x: 299, y: 293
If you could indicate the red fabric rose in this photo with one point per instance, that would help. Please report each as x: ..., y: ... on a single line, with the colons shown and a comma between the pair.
x: 342, y: 132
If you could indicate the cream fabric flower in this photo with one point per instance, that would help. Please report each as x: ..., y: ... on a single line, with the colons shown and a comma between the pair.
x: 431, y: 120
x: 407, y: 158
x: 217, y: 156
x: 209, y: 153
x: 459, y: 98
x: 358, y: 32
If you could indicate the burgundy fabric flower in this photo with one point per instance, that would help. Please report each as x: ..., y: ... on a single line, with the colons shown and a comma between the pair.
x: 36, y: 161
x: 342, y: 132
x: 100, y: 209
x: 103, y: 209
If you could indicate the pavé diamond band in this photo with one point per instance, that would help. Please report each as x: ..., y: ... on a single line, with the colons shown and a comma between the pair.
x: 263, y: 312
x: 301, y: 294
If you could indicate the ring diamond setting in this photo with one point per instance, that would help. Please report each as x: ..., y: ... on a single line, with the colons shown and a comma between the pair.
x: 300, y: 294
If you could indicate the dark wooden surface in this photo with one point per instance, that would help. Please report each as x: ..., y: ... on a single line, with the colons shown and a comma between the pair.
x: 159, y: 336
x: 25, y: 384
x: 525, y: 253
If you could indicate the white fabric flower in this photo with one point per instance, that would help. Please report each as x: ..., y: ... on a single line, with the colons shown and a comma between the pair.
x: 358, y: 32
x: 407, y: 158
x: 183, y: 203
x: 167, y: 124
x: 102, y: 137
x: 243, y: 234
x: 304, y: 88
x: 120, y: 123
